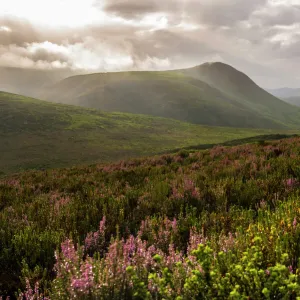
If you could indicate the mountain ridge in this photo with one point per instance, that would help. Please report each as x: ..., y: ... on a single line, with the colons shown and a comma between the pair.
x: 214, y: 94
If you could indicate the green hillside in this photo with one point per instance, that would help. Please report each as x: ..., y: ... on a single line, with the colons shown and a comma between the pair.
x: 39, y: 134
x: 230, y: 99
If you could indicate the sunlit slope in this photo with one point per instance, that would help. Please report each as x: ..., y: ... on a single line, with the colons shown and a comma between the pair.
x: 39, y: 134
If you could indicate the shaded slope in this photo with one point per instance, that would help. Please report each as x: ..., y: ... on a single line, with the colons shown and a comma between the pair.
x: 186, y: 95
x: 39, y: 134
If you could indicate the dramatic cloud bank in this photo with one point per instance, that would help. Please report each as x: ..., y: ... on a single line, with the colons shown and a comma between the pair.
x: 259, y: 37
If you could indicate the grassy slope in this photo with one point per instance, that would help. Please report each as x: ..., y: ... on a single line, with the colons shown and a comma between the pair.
x: 38, y: 134
x: 176, y: 94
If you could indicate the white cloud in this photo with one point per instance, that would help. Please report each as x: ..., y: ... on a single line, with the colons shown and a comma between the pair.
x: 53, y: 13
x: 5, y: 29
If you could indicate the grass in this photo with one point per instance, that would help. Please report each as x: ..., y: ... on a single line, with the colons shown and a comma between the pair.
x: 36, y: 135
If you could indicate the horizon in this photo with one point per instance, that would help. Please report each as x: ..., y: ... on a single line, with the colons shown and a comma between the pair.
x: 85, y: 72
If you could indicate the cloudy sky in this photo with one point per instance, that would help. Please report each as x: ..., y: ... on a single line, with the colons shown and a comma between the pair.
x: 259, y: 37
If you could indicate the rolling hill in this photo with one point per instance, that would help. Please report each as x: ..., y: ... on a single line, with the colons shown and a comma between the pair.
x: 40, y: 134
x: 211, y: 94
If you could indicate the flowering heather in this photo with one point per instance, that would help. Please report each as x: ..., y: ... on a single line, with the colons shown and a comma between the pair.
x: 211, y: 268
x: 95, y: 241
x: 292, y: 183
x: 132, y: 230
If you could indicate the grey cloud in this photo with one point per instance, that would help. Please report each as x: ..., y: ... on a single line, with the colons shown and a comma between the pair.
x: 278, y: 15
x: 47, y: 56
x: 20, y: 32
x: 213, y: 12
x: 222, y: 12
x: 129, y: 9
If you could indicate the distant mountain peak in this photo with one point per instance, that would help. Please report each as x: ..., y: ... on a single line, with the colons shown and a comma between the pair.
x: 216, y: 72
x: 217, y: 66
x: 214, y: 63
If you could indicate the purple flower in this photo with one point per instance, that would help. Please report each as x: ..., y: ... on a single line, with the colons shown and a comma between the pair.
x: 291, y: 183
x: 102, y: 225
x: 295, y: 222
x: 69, y: 251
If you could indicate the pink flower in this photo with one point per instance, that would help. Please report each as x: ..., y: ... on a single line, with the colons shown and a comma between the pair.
x: 69, y: 251
x: 295, y: 222
x: 291, y: 182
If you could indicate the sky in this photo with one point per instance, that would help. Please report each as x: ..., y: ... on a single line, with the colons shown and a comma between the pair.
x: 258, y: 37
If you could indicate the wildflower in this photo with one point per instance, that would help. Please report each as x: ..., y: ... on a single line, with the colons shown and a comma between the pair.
x: 291, y: 183
x: 68, y: 250
x: 295, y: 222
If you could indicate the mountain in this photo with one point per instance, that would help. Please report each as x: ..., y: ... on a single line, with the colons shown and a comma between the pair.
x: 211, y: 94
x: 285, y: 92
x: 29, y: 82
x: 239, y: 87
x: 40, y: 134
x: 289, y: 95
x: 293, y: 100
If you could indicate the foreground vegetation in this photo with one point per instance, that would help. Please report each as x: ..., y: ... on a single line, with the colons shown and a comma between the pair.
x: 215, y: 224
x: 37, y: 135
